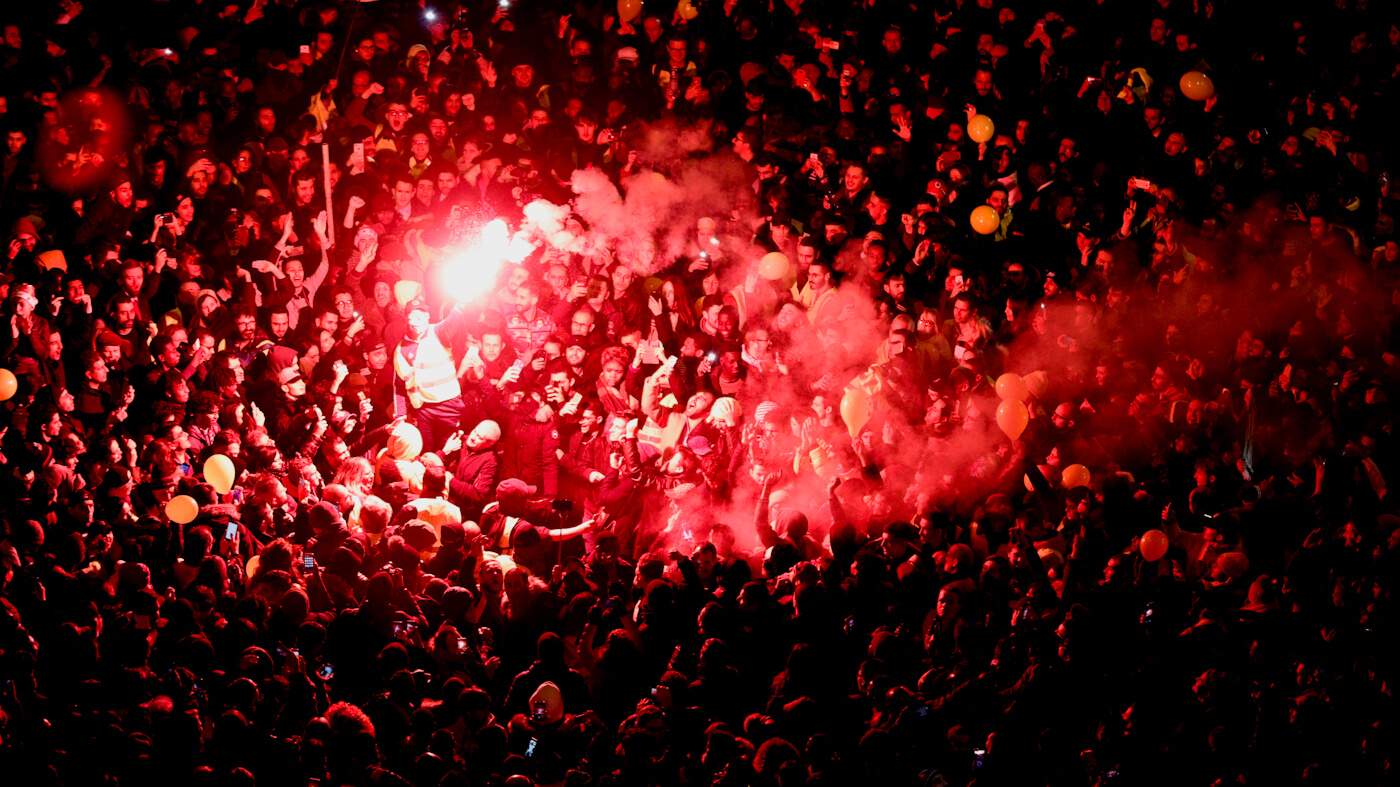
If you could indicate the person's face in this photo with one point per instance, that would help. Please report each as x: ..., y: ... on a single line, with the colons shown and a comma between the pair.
x: 1157, y: 31
x: 726, y: 324
x: 481, y: 437
x: 1175, y: 145
x: 126, y: 316
x: 14, y: 142
x: 581, y: 324
x: 758, y: 344
x: 98, y: 372
x: 621, y: 278
x: 699, y: 404
x: 267, y: 119
x: 306, y: 191
x: 818, y: 278
x: 124, y: 195
x: 403, y: 194
x: 677, y: 51
x: 589, y: 420
x: 575, y: 355
x: 418, y: 322
x: 998, y: 201
x: 112, y: 355
x: 897, y: 346
x: 278, y: 323
x: 962, y: 312
x: 296, y: 272
x: 247, y: 326
x: 491, y: 346
x: 170, y: 356
x: 611, y: 375
x: 854, y: 179
x: 982, y: 83
x: 55, y: 346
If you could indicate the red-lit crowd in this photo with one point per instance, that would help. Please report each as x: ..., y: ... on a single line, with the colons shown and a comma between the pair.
x: 730, y: 499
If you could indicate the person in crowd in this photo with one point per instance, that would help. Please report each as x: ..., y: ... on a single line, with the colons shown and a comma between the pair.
x: 989, y: 393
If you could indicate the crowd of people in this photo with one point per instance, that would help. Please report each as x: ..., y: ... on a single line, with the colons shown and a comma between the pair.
x: 743, y: 454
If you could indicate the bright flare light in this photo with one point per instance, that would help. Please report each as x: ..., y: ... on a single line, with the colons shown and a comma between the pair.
x: 472, y: 272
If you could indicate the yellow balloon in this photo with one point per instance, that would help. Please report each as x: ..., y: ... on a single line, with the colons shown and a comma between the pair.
x: 627, y: 10
x: 1012, y: 388
x: 855, y: 410
x: 1197, y: 86
x: 8, y: 384
x: 182, y: 509
x: 981, y: 128
x: 985, y: 220
x: 773, y: 266
x: 220, y: 473
x: 1075, y: 476
x: 652, y: 284
x: 1153, y: 545
x: 687, y: 11
x: 1012, y: 418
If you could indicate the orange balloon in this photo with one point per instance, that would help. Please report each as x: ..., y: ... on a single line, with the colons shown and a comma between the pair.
x: 1197, y: 86
x: 220, y: 473
x: 1012, y: 418
x: 856, y: 410
x: 8, y: 384
x: 1075, y: 475
x: 1153, y: 545
x: 182, y: 509
x: 981, y: 128
x: 687, y: 11
x: 627, y: 10
x: 985, y: 220
x: 1012, y: 388
x: 773, y: 266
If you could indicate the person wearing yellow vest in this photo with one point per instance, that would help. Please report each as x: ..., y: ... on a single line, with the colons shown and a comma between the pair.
x: 426, y: 390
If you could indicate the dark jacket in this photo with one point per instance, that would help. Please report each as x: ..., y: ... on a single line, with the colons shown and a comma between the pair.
x: 528, y: 452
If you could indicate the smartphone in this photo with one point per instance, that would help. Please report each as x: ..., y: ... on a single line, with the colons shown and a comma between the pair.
x: 518, y: 365
x: 326, y: 671
x: 231, y: 532
x: 360, y: 149
x: 167, y: 218
x: 1141, y: 184
x: 169, y: 52
x: 812, y: 157
x: 308, y: 562
x: 712, y: 357
x: 577, y: 400
x: 977, y: 755
x: 833, y: 44
x: 538, y: 710
x: 461, y: 645
x: 530, y: 747
x: 305, y: 49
